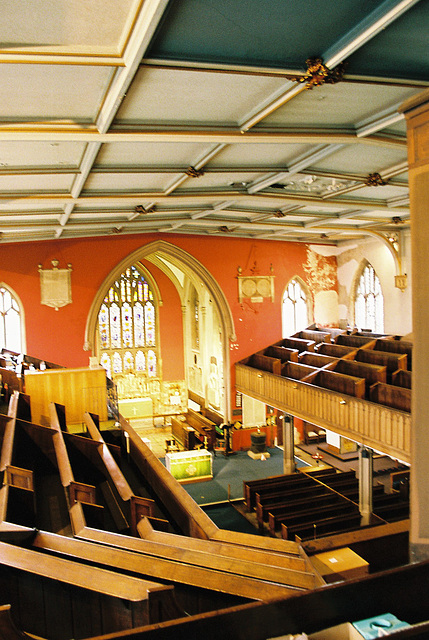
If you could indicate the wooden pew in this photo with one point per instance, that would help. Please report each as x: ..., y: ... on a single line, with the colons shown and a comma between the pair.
x: 296, y: 343
x: 371, y: 372
x: 178, y: 566
x: 272, y: 483
x: 340, y: 382
x: 336, y: 350
x: 356, y: 341
x: 327, y: 526
x: 271, y: 501
x: 296, y: 370
x: 282, y: 353
x: 392, y: 361
x: 232, y: 545
x: 136, y: 506
x: 270, y: 512
x: 316, y: 335
x: 205, y: 429
x: 396, y: 346
x: 315, y: 359
x: 402, y: 378
x: 59, y: 598
x: 391, y: 396
x: 311, y: 517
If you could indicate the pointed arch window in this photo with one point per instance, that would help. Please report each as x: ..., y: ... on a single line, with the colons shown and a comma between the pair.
x: 294, y: 308
x: 369, y: 302
x: 127, y: 326
x: 10, y: 322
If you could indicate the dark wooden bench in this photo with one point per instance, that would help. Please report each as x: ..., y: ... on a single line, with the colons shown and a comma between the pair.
x: 204, y: 429
x: 391, y: 396
x: 311, y: 516
x: 61, y: 598
x: 296, y: 370
x: 296, y: 343
x: 263, y: 363
x: 396, y: 346
x: 272, y: 501
x: 271, y: 512
x: 316, y: 335
x: 355, y: 341
x: 282, y: 353
x: 315, y: 359
x: 336, y: 350
x: 340, y: 382
x: 272, y: 483
x: 392, y: 361
x: 371, y: 372
x: 328, y: 526
x: 402, y: 378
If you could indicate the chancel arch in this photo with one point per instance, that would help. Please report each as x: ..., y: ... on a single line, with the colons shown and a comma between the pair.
x: 207, y: 323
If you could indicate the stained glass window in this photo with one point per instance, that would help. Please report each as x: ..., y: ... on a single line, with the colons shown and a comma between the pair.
x: 10, y: 321
x: 369, y: 302
x: 127, y: 326
x: 294, y: 309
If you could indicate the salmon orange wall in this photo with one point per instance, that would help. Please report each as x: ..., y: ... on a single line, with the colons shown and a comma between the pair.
x: 58, y: 336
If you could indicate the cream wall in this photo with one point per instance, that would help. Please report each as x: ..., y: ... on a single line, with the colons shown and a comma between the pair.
x: 397, y: 303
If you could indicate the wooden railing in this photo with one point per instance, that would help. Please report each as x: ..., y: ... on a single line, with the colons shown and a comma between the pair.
x: 374, y: 425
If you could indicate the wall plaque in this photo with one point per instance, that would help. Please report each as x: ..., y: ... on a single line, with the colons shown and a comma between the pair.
x: 55, y: 286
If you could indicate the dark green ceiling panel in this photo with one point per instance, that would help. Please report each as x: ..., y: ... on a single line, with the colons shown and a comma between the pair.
x: 399, y: 51
x: 278, y: 33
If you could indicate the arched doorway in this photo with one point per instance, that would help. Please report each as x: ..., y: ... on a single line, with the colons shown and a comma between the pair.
x: 206, y: 362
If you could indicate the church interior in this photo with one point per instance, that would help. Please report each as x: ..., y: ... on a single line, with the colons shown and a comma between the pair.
x: 213, y: 319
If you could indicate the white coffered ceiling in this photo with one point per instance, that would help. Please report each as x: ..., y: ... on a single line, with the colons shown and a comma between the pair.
x: 142, y: 116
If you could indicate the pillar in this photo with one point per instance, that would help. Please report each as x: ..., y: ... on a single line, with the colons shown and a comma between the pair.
x: 365, y: 484
x: 288, y: 445
x: 416, y: 111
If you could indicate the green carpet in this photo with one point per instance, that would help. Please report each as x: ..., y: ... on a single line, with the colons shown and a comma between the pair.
x: 230, y: 471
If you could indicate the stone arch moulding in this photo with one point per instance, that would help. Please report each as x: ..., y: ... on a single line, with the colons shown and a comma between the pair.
x: 21, y: 313
x: 186, y: 261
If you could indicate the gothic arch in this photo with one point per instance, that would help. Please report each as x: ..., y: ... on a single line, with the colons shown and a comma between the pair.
x: 355, y: 283
x: 195, y: 271
x: 21, y: 314
x: 307, y: 292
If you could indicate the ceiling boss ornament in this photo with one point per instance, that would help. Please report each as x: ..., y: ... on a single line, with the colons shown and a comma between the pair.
x: 318, y: 73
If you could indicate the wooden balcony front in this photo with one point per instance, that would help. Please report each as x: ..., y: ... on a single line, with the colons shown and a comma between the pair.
x: 377, y: 426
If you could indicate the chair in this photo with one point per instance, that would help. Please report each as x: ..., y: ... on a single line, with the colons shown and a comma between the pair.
x: 171, y: 445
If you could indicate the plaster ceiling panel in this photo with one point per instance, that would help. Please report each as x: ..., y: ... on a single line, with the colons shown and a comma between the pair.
x: 223, y: 180
x: 256, y: 155
x: 362, y: 159
x: 40, y: 154
x: 339, y: 105
x: 164, y: 96
x: 43, y: 92
x: 21, y: 183
x: 127, y: 182
x: 141, y: 154
x: 98, y: 24
x: 384, y: 192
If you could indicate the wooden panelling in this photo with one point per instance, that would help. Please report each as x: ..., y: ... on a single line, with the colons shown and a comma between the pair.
x: 377, y: 426
x: 79, y: 390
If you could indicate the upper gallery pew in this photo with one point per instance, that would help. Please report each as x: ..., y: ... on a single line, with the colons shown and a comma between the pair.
x: 334, y: 401
x: 226, y: 571
x: 340, y: 603
x: 61, y: 598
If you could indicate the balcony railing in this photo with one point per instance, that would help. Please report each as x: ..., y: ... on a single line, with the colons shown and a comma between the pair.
x: 377, y: 426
